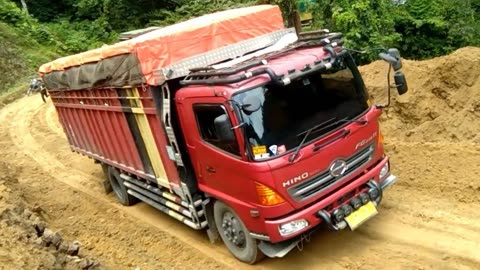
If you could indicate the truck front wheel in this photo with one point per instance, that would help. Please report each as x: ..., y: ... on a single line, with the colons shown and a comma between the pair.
x: 119, y: 188
x: 235, y: 235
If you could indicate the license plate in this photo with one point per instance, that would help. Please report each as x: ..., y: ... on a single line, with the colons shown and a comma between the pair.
x: 362, y: 214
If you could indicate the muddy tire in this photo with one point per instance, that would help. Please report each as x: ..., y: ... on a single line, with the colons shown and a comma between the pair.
x: 119, y: 189
x: 235, y: 235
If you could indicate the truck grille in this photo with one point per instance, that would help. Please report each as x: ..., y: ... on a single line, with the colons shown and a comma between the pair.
x: 324, y: 180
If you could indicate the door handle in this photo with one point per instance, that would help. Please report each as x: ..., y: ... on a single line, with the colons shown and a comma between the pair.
x: 211, y: 169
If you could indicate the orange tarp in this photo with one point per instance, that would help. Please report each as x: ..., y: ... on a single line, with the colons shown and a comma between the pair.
x: 173, y: 43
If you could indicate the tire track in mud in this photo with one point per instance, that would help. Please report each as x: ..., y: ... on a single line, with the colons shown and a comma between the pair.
x: 20, y: 133
x: 414, y: 229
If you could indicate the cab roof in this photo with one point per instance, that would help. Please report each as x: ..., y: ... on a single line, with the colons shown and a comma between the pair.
x: 296, y: 59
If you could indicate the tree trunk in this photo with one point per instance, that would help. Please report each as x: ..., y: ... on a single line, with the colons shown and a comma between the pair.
x: 297, y: 23
x: 24, y: 5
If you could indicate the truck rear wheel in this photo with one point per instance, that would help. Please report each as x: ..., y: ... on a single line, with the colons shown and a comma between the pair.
x: 235, y: 235
x: 119, y: 189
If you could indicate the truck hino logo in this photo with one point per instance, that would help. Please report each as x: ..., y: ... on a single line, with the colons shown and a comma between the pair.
x: 338, y: 168
x: 296, y: 179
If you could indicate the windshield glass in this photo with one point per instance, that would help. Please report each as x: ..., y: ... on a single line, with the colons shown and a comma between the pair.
x: 325, y: 100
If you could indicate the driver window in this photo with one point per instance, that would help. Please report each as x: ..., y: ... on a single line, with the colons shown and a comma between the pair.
x: 214, y: 127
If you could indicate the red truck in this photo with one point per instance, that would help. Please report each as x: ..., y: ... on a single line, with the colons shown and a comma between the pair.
x: 233, y: 124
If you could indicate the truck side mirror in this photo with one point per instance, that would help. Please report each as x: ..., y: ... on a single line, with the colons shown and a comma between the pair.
x: 224, y: 129
x: 392, y: 56
x: 400, y: 82
x: 392, y: 60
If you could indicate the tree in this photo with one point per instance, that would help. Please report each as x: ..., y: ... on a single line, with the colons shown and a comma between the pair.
x: 420, y: 28
x: 24, y: 5
x: 436, y: 27
x: 366, y: 24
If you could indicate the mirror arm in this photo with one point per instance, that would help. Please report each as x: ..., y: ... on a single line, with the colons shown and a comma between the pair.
x: 389, y: 89
x: 392, y: 60
x: 395, y: 85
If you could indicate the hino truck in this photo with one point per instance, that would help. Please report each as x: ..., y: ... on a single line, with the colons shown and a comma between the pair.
x: 233, y: 124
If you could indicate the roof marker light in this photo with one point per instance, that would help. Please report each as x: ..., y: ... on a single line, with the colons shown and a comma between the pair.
x: 286, y: 81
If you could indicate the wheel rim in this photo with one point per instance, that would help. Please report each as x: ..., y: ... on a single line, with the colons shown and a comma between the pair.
x: 233, y: 230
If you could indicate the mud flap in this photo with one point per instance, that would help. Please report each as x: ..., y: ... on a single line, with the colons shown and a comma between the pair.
x: 278, y: 250
x: 212, y: 231
x: 107, y: 187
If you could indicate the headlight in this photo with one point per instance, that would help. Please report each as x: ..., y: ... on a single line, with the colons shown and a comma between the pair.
x: 384, y: 171
x: 347, y: 209
x: 292, y: 227
x: 356, y: 203
x: 338, y: 215
x: 373, y: 193
x: 364, y: 198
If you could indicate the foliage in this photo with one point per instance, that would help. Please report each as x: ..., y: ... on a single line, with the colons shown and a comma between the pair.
x: 435, y: 27
x: 366, y: 24
x: 187, y: 9
x: 74, y: 37
x: 420, y: 28
x: 20, y: 55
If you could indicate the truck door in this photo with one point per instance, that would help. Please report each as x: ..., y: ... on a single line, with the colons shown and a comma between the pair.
x: 218, y: 162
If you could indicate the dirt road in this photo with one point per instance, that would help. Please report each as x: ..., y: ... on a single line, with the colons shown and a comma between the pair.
x: 429, y: 220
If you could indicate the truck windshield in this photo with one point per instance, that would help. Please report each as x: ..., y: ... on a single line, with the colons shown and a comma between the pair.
x: 325, y: 100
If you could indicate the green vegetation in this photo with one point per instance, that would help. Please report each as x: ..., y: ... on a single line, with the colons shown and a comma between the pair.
x: 419, y: 28
x: 57, y: 28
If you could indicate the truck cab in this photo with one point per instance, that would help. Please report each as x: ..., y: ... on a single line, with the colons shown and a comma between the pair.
x: 284, y: 151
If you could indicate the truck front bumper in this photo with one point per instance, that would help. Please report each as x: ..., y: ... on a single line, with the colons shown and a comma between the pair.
x: 276, y: 245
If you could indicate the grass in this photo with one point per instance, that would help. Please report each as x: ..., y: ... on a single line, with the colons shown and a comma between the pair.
x: 20, y: 57
x: 13, y: 93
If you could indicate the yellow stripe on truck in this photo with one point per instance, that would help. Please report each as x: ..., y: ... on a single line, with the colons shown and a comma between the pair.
x: 146, y: 133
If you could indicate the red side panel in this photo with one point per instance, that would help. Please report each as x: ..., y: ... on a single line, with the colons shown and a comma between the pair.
x: 121, y: 127
x: 96, y: 125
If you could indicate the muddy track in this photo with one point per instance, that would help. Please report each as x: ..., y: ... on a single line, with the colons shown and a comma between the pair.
x: 429, y: 220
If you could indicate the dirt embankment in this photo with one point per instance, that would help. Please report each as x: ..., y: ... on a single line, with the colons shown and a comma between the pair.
x: 25, y: 241
x: 428, y: 220
x: 443, y: 103
x: 433, y: 132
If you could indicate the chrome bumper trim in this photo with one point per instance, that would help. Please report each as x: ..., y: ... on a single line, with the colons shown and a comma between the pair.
x: 388, y: 182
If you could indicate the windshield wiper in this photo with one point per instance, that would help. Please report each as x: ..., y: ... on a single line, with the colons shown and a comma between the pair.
x: 319, y: 127
x: 307, y: 133
x: 346, y: 120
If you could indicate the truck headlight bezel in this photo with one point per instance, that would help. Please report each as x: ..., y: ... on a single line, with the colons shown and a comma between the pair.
x: 292, y: 227
x: 384, y: 171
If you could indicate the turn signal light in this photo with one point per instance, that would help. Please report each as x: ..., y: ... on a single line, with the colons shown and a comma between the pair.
x: 267, y: 196
x: 380, y: 138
